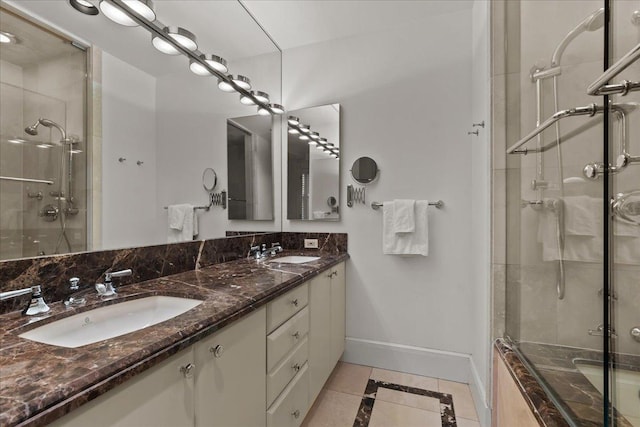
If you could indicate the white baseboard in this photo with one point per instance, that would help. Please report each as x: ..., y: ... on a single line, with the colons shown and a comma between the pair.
x: 447, y: 365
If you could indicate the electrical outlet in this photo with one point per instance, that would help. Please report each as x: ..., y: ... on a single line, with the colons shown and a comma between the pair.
x: 311, y: 243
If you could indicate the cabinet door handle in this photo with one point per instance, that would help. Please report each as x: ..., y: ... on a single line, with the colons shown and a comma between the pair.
x: 296, y: 334
x: 295, y: 302
x: 217, y: 351
x: 296, y: 414
x: 296, y: 367
x: 187, y: 370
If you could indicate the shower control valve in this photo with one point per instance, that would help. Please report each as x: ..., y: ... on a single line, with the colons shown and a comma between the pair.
x: 635, y: 333
x: 593, y: 171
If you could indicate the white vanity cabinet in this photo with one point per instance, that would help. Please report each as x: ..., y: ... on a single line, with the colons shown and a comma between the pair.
x: 327, y: 325
x: 160, y: 396
x: 266, y: 368
x: 230, y: 382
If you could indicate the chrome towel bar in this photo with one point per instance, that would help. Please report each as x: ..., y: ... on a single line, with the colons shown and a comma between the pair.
x: 438, y: 204
x: 589, y: 110
x: 600, y: 86
x: 36, y: 181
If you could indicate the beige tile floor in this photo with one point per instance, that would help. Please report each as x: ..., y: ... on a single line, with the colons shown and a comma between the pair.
x: 338, y: 403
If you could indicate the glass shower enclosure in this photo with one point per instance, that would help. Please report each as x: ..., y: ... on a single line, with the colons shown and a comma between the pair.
x: 43, y: 167
x: 573, y: 206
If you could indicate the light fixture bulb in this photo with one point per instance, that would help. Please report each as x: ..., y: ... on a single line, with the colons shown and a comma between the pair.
x: 143, y: 8
x: 312, y: 142
x: 215, y: 62
x: 84, y: 6
x: 246, y: 100
x: 225, y: 86
x: 277, y: 108
x: 263, y: 111
x: 315, y: 135
x: 294, y: 131
x: 181, y: 36
x: 260, y: 96
x: 304, y: 137
x: 323, y: 140
x: 320, y: 147
x: 242, y: 82
x: 305, y: 128
x: 292, y: 120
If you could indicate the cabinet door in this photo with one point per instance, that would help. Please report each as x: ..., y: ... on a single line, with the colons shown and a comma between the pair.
x: 320, y: 363
x: 160, y: 396
x: 230, y: 379
x: 338, y: 312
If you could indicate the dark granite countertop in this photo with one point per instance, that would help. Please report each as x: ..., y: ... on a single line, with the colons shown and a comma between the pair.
x: 40, y: 382
x: 566, y: 389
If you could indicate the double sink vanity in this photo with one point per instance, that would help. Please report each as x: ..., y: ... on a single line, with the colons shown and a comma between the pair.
x: 247, y: 343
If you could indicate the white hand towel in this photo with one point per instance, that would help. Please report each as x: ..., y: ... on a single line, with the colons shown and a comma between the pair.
x: 195, y: 223
x: 416, y: 243
x: 403, y: 216
x: 181, y: 221
x: 583, y: 216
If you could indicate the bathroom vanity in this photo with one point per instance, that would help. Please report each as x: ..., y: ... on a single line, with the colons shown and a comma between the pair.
x: 256, y: 351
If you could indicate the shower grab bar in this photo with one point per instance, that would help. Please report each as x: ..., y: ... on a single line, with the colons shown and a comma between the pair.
x: 438, y: 204
x: 36, y: 181
x: 600, y: 86
x: 589, y: 110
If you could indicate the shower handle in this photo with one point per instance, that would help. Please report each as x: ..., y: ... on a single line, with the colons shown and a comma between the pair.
x: 635, y: 333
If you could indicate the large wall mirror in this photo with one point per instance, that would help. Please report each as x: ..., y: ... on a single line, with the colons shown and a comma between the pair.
x: 127, y: 130
x: 313, y: 163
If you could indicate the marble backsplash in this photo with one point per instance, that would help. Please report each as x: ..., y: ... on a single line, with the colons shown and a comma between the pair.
x: 148, y: 262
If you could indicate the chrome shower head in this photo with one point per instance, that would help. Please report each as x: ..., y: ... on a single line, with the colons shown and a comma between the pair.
x: 33, y: 129
x: 593, y: 22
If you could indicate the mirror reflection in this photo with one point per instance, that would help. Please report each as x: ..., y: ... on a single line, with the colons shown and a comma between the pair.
x: 249, y: 166
x: 313, y: 163
x: 126, y: 129
x: 364, y: 170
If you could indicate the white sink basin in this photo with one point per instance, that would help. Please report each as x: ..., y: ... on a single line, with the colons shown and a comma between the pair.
x: 295, y: 259
x: 110, y: 321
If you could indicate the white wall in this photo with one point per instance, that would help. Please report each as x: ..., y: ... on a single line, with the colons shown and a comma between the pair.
x: 481, y: 206
x: 406, y: 101
x: 129, y: 191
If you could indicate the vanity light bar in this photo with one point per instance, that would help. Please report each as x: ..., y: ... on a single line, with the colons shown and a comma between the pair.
x: 156, y: 29
x: 312, y: 138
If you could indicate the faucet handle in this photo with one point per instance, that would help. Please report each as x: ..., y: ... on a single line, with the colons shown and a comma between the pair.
x: 74, y: 281
x: 121, y: 273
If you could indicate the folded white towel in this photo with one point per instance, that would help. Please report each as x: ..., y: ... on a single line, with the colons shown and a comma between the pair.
x: 416, y: 243
x: 403, y: 216
x: 181, y: 223
x: 583, y: 216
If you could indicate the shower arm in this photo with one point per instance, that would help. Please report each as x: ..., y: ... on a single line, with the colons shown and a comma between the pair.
x: 589, y: 110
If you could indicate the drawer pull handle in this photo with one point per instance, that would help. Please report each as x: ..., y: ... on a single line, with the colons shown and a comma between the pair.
x: 217, y: 351
x: 295, y: 302
x: 296, y: 414
x: 187, y: 370
x: 296, y: 335
x: 333, y: 273
x: 296, y: 367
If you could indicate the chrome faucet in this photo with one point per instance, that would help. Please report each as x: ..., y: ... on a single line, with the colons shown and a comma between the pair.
x: 72, y: 299
x: 260, y: 251
x: 36, y: 304
x: 106, y: 289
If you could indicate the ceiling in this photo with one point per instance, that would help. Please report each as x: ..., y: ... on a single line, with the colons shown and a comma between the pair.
x: 293, y: 23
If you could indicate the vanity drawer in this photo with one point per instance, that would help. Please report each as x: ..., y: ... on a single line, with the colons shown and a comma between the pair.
x: 286, y: 337
x: 291, y: 407
x: 282, y: 374
x: 285, y: 306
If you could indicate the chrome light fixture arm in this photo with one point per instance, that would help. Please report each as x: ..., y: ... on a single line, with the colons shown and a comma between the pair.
x: 156, y: 29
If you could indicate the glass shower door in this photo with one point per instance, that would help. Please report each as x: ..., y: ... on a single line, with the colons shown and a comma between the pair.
x: 624, y: 307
